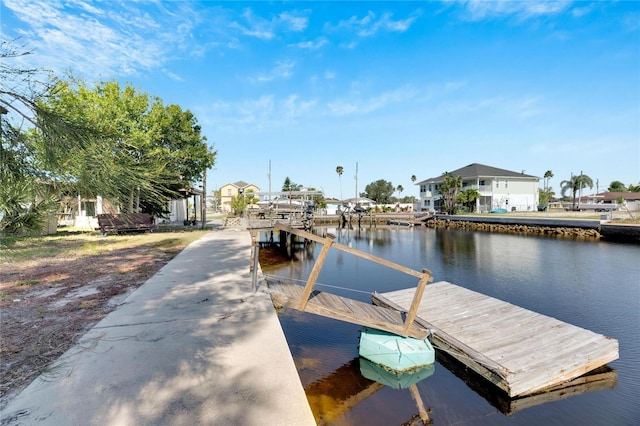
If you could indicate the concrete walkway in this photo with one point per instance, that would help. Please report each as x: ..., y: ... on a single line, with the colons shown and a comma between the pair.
x: 192, y: 346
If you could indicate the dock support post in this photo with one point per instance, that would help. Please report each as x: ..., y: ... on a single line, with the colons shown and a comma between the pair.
x: 313, y: 276
x: 417, y: 297
x: 255, y: 263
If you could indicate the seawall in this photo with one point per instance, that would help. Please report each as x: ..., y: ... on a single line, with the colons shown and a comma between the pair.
x: 574, y: 228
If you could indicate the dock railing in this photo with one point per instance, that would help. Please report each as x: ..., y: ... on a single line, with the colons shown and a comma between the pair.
x: 328, y: 243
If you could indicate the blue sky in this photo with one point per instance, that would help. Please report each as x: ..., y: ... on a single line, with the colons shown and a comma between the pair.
x: 401, y: 88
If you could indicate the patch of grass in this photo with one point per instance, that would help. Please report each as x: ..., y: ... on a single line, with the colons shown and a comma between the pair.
x: 67, y: 244
x: 169, y: 242
x: 26, y: 282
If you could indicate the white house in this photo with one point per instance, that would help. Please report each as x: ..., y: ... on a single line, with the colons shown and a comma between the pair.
x: 498, y: 188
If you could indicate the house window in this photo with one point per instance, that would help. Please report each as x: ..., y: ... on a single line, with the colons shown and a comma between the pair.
x: 423, y: 188
x: 229, y: 192
x: 506, y: 183
x: 481, y: 183
x: 429, y: 187
x: 497, y: 184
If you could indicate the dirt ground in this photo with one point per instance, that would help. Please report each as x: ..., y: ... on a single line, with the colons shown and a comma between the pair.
x: 48, y: 301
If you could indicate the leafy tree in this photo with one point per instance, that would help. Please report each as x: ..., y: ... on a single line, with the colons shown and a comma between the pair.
x: 634, y: 188
x: 238, y: 204
x: 339, y: 171
x: 380, y: 191
x: 573, y: 185
x: 176, y: 140
x: 546, y: 194
x: 544, y: 197
x: 449, y: 191
x: 617, y: 186
x: 25, y: 189
x: 142, y: 152
x: 104, y: 140
x: 319, y: 201
x: 468, y: 197
x: 289, y: 185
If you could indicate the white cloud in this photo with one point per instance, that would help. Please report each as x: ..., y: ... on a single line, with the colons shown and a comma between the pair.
x: 296, y: 108
x: 260, y: 113
x: 370, y: 24
x: 294, y: 22
x: 480, y: 9
x: 452, y: 86
x: 271, y: 111
x: 255, y: 26
x: 354, y: 106
x: 259, y: 27
x: 172, y: 75
x: 311, y: 45
x: 282, y: 70
x: 81, y: 36
x: 520, y: 107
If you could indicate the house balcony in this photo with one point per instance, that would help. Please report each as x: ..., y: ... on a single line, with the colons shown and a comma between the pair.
x: 482, y: 189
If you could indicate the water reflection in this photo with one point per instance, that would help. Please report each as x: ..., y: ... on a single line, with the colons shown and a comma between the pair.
x: 338, y: 393
x: 394, y: 379
x: 599, y: 379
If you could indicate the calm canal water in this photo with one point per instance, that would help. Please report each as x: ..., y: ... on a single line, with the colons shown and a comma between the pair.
x: 595, y: 285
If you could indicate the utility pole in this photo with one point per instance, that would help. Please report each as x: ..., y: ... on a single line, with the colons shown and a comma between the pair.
x: 203, y: 201
x: 356, y: 177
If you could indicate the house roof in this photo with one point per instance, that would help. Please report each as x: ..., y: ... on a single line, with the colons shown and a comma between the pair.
x: 240, y: 184
x: 476, y: 170
x: 190, y: 191
x: 359, y: 200
x: 613, y: 196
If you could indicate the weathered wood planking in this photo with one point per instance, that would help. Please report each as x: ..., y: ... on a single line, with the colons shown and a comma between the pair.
x: 336, y: 307
x: 521, y: 351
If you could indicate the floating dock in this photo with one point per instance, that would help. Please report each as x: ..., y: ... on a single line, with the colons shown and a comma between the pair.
x: 520, y: 351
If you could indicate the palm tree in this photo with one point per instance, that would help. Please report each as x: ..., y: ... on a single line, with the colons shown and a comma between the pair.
x: 547, y: 175
x: 575, y: 184
x: 617, y: 186
x: 399, y: 188
x: 449, y: 191
x: 468, y: 197
x: 413, y: 178
x: 339, y: 171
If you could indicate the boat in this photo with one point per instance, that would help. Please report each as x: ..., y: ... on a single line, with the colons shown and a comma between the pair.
x: 399, y: 222
x: 394, y: 379
x: 499, y: 211
x: 397, y: 353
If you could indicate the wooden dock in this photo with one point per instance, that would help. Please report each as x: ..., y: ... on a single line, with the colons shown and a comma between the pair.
x: 307, y: 299
x: 520, y: 351
x: 344, y: 309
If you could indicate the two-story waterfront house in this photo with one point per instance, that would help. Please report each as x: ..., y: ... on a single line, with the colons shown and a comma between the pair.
x: 229, y: 190
x: 498, y: 188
